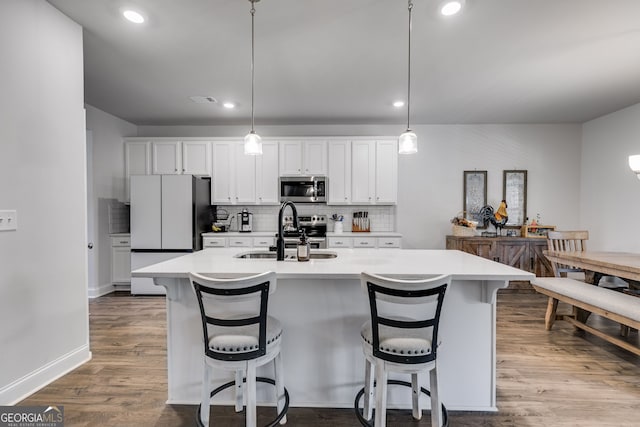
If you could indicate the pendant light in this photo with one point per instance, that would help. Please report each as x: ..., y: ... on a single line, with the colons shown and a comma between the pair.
x: 252, y: 142
x: 408, y: 141
x: 634, y: 164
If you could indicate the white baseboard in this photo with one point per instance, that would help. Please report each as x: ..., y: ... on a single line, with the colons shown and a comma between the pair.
x: 101, y: 290
x: 22, y: 388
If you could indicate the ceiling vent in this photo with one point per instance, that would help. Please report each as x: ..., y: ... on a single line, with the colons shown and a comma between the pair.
x: 203, y: 99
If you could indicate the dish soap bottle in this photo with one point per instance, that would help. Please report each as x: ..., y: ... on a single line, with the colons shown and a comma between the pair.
x: 303, y: 247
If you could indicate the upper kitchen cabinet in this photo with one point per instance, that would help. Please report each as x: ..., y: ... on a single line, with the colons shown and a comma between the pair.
x: 234, y: 174
x: 137, y: 161
x: 374, y: 172
x: 267, y: 174
x: 303, y: 158
x: 339, y: 173
x: 196, y: 158
x: 176, y: 157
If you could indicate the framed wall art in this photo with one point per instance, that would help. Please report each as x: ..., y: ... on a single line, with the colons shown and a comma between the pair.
x: 474, y: 195
x: 514, y: 192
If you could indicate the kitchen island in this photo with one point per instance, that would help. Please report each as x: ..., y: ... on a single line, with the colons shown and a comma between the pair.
x: 322, y: 307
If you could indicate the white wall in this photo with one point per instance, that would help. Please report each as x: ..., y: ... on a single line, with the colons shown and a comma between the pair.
x: 43, y: 295
x: 108, y: 185
x: 610, y: 191
x: 430, y: 183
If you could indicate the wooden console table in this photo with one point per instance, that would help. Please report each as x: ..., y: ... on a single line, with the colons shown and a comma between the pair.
x: 524, y: 253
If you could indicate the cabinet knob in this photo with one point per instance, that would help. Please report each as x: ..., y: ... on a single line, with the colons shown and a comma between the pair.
x: 184, y: 170
x: 369, y: 198
x: 298, y: 170
x: 175, y: 170
x: 345, y: 198
x: 377, y: 198
x: 90, y: 245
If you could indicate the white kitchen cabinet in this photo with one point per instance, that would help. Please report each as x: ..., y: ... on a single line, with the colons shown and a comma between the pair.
x: 214, y: 242
x: 339, y: 172
x: 234, y: 174
x: 374, y: 172
x: 303, y: 157
x: 389, y: 242
x: 137, y: 161
x: 263, y: 242
x: 120, y: 259
x: 238, y: 241
x: 339, y: 242
x: 166, y: 158
x: 181, y: 157
x: 267, y: 174
x: 386, y: 172
x: 355, y: 240
x: 364, y: 242
x: 196, y: 158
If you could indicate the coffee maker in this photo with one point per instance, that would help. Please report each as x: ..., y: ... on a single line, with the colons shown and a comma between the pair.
x: 245, y: 221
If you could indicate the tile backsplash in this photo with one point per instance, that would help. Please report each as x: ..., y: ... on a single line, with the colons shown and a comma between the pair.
x: 265, y: 218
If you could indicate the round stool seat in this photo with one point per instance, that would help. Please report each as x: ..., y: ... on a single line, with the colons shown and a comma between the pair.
x: 244, y: 338
x: 395, y: 341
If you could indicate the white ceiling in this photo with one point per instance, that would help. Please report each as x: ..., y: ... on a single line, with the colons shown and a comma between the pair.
x: 344, y: 61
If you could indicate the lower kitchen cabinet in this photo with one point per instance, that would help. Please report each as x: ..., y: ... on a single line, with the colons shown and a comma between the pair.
x: 120, y: 259
x: 335, y: 241
x: 524, y: 253
x: 235, y: 241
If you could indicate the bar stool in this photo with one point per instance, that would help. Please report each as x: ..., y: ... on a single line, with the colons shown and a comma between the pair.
x: 405, y: 343
x: 239, y: 336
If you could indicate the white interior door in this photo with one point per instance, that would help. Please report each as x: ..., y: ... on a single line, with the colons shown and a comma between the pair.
x: 92, y: 279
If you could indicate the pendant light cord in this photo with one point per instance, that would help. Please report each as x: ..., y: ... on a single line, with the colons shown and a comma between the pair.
x: 253, y: 12
x: 409, y: 69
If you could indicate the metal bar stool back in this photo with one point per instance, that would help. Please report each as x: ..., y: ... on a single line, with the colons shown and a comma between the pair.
x: 401, y: 336
x: 239, y: 335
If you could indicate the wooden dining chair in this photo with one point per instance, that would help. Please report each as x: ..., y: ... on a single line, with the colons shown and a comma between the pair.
x: 576, y: 241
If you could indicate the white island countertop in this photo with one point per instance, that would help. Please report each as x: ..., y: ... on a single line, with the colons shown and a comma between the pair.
x: 348, y: 265
x: 322, y: 307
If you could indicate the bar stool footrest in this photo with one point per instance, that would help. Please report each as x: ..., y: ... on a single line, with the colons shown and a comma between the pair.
x: 366, y: 423
x: 225, y: 386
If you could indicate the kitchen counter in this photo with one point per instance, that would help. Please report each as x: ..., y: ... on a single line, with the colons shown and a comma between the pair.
x: 237, y: 234
x: 364, y: 234
x: 322, y: 307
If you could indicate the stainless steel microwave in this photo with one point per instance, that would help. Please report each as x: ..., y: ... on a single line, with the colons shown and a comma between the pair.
x: 303, y: 189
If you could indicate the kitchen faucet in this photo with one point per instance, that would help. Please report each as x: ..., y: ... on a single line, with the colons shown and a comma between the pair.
x: 280, y: 241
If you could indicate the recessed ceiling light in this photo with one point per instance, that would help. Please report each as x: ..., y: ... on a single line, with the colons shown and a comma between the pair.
x: 229, y: 105
x: 133, y: 16
x: 398, y: 104
x: 451, y: 7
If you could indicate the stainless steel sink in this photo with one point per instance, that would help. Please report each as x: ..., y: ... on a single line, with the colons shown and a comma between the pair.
x: 287, y: 256
x: 257, y: 255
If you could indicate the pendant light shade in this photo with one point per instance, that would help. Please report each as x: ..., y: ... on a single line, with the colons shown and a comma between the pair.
x: 634, y: 164
x: 408, y: 141
x: 252, y: 142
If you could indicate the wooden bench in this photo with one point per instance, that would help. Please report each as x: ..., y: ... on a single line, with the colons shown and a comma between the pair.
x: 617, y: 306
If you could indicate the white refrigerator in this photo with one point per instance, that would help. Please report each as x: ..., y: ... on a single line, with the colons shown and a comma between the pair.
x: 168, y: 214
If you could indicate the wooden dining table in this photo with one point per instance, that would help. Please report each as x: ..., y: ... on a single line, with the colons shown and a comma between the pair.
x: 625, y: 265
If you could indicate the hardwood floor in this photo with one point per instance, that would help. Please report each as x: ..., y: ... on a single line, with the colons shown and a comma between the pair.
x: 561, y: 378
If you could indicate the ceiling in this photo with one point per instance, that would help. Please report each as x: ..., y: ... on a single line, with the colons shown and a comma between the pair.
x: 345, y: 61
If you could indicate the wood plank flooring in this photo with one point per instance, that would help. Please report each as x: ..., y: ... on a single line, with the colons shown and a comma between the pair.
x: 561, y: 378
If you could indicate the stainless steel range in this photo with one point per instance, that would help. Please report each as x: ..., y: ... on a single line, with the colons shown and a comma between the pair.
x: 315, y: 227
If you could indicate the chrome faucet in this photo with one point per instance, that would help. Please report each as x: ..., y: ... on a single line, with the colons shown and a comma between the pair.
x: 280, y: 241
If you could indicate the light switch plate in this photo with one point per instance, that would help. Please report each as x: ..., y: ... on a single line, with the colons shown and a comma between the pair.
x: 8, y: 220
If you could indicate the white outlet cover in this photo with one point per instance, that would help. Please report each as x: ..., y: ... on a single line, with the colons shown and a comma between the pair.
x: 8, y: 220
